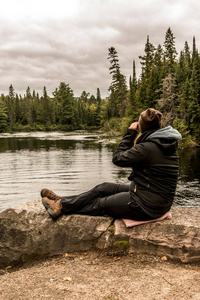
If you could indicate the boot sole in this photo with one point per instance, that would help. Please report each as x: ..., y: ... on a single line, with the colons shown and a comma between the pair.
x: 49, y: 210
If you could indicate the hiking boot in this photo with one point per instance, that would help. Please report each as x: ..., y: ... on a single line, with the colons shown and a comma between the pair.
x: 53, y: 207
x: 49, y: 194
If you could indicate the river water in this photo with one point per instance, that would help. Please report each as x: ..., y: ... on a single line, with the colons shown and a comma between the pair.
x: 70, y: 163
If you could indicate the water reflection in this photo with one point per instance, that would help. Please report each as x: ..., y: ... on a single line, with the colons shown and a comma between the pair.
x: 70, y: 164
x: 190, y: 164
x: 14, y: 143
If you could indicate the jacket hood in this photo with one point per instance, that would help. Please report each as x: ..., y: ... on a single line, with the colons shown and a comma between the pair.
x: 166, y: 133
x: 166, y: 138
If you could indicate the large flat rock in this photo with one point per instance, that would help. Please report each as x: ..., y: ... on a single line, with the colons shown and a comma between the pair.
x: 27, y: 232
x: 178, y: 238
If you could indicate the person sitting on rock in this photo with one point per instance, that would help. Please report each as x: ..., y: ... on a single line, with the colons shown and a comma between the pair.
x: 152, y: 155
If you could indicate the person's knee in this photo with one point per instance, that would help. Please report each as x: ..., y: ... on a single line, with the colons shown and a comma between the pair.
x: 102, y: 186
x: 107, y: 188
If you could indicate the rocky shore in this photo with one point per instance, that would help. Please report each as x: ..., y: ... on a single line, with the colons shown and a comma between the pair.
x: 28, y: 233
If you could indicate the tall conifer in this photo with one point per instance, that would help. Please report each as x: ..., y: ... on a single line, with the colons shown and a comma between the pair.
x: 118, y: 87
x: 170, y: 51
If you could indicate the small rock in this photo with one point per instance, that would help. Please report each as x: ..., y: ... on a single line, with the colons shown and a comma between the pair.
x: 70, y: 257
x: 164, y: 258
x: 67, y: 279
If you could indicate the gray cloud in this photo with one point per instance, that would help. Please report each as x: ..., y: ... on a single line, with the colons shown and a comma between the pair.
x: 44, y: 51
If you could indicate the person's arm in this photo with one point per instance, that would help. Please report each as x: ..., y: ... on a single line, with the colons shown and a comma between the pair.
x: 126, y: 155
x: 129, y: 137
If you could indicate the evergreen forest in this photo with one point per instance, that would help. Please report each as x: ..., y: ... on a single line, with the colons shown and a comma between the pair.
x: 168, y: 81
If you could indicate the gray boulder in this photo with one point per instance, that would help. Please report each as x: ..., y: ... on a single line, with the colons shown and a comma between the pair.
x: 27, y: 232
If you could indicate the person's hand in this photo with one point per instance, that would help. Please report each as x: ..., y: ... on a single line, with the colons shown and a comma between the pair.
x: 134, y: 126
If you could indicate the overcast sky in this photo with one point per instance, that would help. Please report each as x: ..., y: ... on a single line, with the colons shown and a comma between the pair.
x: 44, y: 42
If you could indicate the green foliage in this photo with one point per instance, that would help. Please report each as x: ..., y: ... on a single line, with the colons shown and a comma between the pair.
x: 64, y: 97
x: 3, y: 116
x: 182, y: 128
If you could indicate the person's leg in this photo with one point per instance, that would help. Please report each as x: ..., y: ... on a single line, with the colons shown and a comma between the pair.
x: 85, y: 203
x: 107, y: 188
x: 104, y: 199
x: 118, y: 206
x: 88, y: 202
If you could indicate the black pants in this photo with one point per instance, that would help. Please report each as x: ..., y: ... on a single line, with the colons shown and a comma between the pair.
x: 105, y: 199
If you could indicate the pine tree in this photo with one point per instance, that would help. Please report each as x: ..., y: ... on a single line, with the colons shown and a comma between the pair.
x: 3, y: 116
x: 28, y: 105
x: 132, y: 109
x: 183, y: 75
x: 194, y: 50
x: 184, y: 102
x: 98, y: 98
x: 11, y: 105
x: 18, y: 115
x: 118, y: 87
x: 187, y: 55
x: 147, y: 62
x: 98, y: 120
x: 85, y: 97
x: 65, y: 98
x: 47, y: 118
x: 170, y: 51
x: 79, y: 114
x: 194, y: 103
x: 147, y: 59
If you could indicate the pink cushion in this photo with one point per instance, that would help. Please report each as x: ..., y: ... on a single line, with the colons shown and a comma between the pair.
x: 131, y: 223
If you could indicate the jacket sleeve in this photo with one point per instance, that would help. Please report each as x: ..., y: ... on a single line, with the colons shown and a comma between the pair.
x: 126, y: 154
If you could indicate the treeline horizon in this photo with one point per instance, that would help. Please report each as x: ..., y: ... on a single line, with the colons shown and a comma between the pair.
x: 168, y: 82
